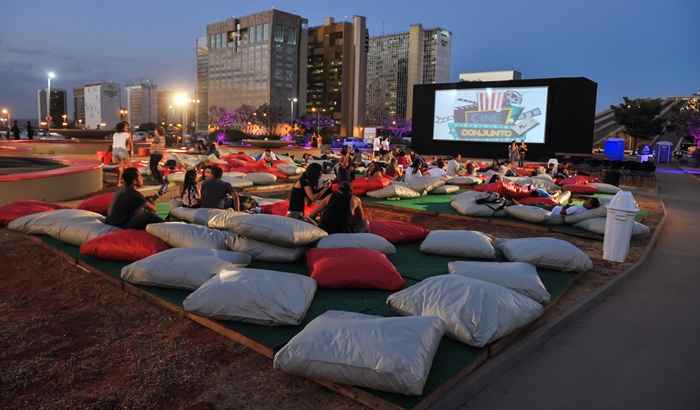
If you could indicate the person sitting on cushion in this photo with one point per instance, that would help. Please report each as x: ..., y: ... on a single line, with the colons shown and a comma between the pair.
x: 217, y: 193
x: 129, y: 208
x: 454, y: 165
x: 306, y: 191
x: 268, y: 156
x: 191, y: 190
x: 591, y: 203
x: 437, y: 169
x: 341, y: 212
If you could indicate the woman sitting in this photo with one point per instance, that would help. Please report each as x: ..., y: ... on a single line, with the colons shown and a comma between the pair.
x: 191, y: 193
x: 306, y: 191
x: 375, y: 169
x: 415, y: 169
x: 341, y: 212
x: 394, y: 170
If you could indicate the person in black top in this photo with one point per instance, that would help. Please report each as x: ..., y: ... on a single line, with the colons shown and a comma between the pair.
x: 129, y: 208
x: 15, y: 130
x: 305, y: 191
x: 217, y: 193
x: 341, y: 212
x: 30, y: 131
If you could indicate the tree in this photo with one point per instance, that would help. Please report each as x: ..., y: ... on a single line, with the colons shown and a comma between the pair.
x: 685, y: 122
x: 640, y: 117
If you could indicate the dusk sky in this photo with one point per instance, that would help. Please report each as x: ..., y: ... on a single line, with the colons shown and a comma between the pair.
x: 636, y: 48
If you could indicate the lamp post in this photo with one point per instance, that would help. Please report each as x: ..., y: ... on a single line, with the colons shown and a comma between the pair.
x: 291, y: 104
x: 51, y: 75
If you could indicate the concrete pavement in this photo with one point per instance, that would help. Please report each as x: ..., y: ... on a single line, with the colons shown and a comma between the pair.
x: 638, y: 349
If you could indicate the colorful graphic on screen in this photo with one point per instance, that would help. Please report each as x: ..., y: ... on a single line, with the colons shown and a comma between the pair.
x: 491, y: 115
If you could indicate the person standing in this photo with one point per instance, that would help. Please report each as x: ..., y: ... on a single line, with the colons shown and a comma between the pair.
x: 15, y: 130
x: 30, y: 131
x: 121, y: 146
x: 376, y: 147
x: 522, y: 151
x: 156, y: 154
x: 513, y: 151
x: 386, y: 146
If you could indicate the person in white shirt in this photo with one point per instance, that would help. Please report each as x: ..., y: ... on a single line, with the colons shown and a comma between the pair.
x: 454, y: 165
x: 591, y: 203
x: 386, y: 147
x: 438, y: 169
x: 121, y: 146
x: 376, y: 146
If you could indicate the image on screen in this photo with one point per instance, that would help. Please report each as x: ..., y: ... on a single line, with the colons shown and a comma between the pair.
x: 491, y: 115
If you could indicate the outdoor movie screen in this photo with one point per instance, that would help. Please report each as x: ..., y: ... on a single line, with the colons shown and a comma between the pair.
x: 491, y: 114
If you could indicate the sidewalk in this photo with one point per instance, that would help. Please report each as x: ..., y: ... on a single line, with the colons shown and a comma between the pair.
x: 638, y: 349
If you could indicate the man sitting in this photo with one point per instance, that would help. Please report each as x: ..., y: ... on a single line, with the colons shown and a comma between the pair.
x: 437, y: 169
x: 217, y: 193
x: 591, y: 203
x: 268, y: 156
x: 454, y: 165
x: 129, y: 208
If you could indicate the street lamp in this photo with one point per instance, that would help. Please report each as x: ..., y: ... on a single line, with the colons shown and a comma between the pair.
x: 122, y: 113
x: 291, y: 104
x: 51, y: 75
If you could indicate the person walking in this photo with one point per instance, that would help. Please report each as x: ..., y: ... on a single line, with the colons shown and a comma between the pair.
x: 15, y: 130
x: 121, y: 146
x: 30, y: 131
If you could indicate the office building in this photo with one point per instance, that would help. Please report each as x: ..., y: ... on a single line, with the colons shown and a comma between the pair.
x: 102, y: 102
x: 141, y: 103
x: 202, y: 116
x: 58, y: 104
x: 503, y: 75
x: 397, y: 62
x: 79, y: 106
x: 337, y: 72
x: 258, y: 60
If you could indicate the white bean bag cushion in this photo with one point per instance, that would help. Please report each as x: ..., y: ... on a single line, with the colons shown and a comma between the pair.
x: 597, y: 225
x: 384, y: 353
x: 459, y: 243
x: 259, y: 296
x: 279, y: 230
x: 605, y: 188
x: 599, y: 212
x: 538, y: 181
x: 239, y: 183
x: 394, y: 190
x: 266, y: 252
x: 357, y: 240
x: 474, y: 312
x: 223, y: 220
x: 177, y: 177
x: 73, y: 226
x: 199, y: 216
x: 518, y: 276
x: 290, y: 169
x: 183, y: 235
x: 528, y: 213
x: 464, y: 180
x: 546, y: 253
x: 182, y: 268
x: 465, y: 204
x: 226, y: 176
x: 564, y: 197
x: 261, y: 178
x: 445, y: 189
x: 424, y: 184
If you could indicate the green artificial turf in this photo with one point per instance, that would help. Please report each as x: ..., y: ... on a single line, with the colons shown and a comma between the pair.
x: 163, y: 209
x: 429, y: 203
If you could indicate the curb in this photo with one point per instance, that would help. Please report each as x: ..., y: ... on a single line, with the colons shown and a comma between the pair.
x: 517, y: 352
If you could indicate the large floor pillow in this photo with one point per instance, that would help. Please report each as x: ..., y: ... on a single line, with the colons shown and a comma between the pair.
x: 465, y: 203
x: 183, y: 235
x: 223, y: 220
x: 598, y: 212
x: 425, y: 184
x: 275, y: 208
x: 464, y: 180
x: 73, y: 226
x: 182, y: 268
x: 261, y: 178
x: 238, y: 183
x: 548, y: 253
x: 232, y: 175
x: 353, y: 268
x: 362, y: 185
x: 395, y: 190
x: 575, y: 180
x: 538, y: 201
x: 518, y: 276
x: 391, y: 354
x: 397, y: 232
x: 528, y: 213
x: 357, y: 240
x: 127, y: 245
x: 538, y: 182
x: 177, y: 177
x: 263, y: 297
x: 564, y: 197
x: 445, y: 189
x: 474, y: 312
x: 98, y: 203
x: 586, y: 189
x: 199, y: 216
x: 290, y: 169
x: 459, y: 243
x: 597, y: 225
x: 279, y: 230
x: 10, y: 212
x: 265, y: 252
x: 605, y: 188
x: 80, y: 232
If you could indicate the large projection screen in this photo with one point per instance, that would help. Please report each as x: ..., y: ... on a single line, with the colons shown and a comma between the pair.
x: 500, y: 114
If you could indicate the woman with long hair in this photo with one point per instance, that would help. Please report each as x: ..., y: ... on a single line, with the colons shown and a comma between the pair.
x: 341, y: 212
x: 121, y: 147
x: 345, y: 166
x: 394, y: 170
x: 191, y: 193
x: 306, y: 191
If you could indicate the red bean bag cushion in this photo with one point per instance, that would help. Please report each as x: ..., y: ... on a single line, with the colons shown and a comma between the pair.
x: 506, y: 189
x: 98, y: 203
x: 353, y: 268
x: 278, y: 208
x: 575, y: 180
x: 580, y: 189
x: 523, y: 172
x: 398, y: 232
x: 538, y: 200
x: 10, y: 212
x: 127, y: 245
